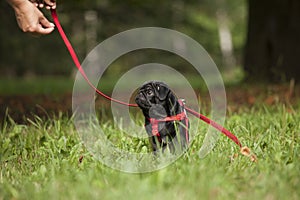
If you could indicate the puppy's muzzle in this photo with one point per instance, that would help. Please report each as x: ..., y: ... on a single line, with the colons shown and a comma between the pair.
x: 141, y: 100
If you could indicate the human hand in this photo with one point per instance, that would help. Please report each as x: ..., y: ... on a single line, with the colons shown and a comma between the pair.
x: 48, y: 4
x: 30, y: 18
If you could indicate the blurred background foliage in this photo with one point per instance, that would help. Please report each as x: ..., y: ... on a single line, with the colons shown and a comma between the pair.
x: 89, y: 22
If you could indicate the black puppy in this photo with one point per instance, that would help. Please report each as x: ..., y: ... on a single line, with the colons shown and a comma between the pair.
x: 165, y: 116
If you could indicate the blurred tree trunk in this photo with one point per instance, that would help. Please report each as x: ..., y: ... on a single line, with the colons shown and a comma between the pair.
x: 91, y: 27
x: 272, y: 49
x: 225, y: 38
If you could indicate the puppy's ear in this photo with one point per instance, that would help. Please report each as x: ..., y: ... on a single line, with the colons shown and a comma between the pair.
x: 162, y: 90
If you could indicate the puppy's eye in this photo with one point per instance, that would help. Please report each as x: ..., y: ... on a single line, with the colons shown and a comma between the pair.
x: 149, y: 92
x: 157, y: 87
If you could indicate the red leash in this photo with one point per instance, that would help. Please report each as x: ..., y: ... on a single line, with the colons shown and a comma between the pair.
x: 76, y: 61
x: 78, y: 65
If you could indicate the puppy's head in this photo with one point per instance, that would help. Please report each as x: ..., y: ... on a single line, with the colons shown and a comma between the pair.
x: 156, y: 95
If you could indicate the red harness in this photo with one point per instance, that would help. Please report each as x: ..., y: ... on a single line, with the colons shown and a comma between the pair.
x: 181, y: 116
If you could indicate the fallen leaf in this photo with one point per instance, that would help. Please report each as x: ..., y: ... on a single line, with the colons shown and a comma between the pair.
x: 245, y: 151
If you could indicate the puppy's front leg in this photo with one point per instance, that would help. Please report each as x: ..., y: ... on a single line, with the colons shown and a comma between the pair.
x: 153, y: 141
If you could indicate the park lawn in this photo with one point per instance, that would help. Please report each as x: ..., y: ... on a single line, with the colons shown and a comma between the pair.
x: 35, y: 85
x: 56, y: 85
x: 45, y: 159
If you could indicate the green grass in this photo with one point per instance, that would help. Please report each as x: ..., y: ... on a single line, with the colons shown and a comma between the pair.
x: 60, y: 85
x: 41, y: 161
x: 41, y: 85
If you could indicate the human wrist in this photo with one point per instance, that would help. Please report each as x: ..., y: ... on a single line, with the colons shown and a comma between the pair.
x: 15, y: 4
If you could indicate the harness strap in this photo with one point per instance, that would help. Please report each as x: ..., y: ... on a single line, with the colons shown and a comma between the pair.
x: 181, y: 116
